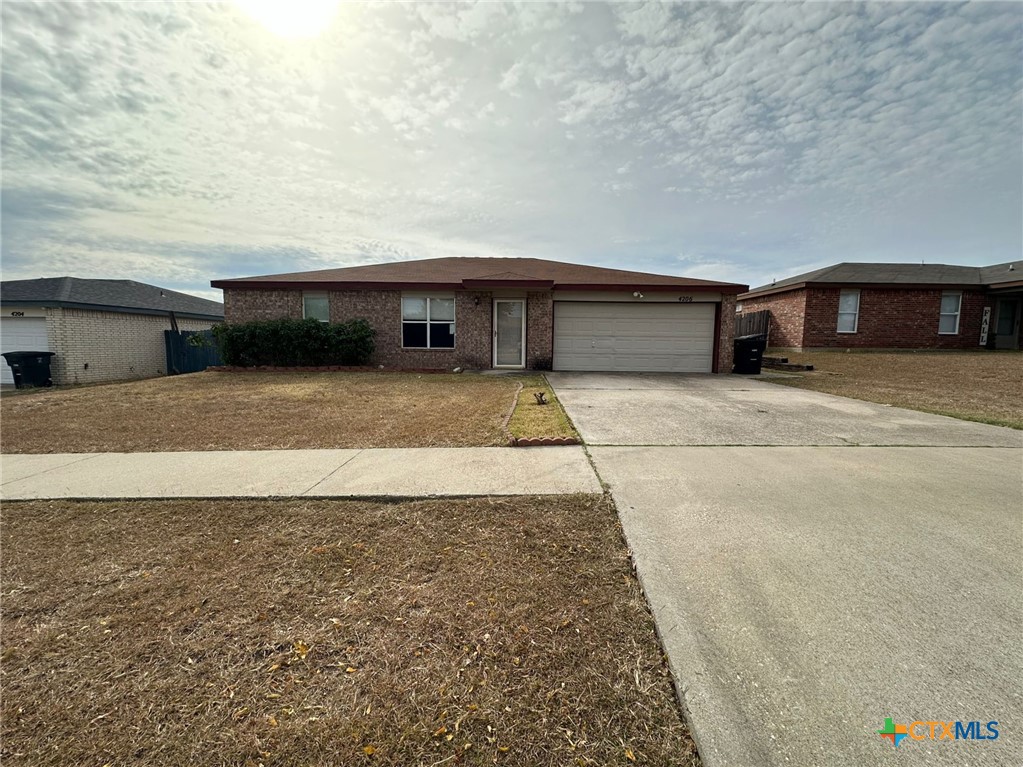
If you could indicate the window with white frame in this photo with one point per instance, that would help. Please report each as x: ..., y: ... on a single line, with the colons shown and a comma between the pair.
x: 427, y: 322
x: 948, y: 320
x: 316, y: 306
x: 848, y: 311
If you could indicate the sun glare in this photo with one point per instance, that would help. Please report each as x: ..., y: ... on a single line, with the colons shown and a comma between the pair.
x: 291, y: 18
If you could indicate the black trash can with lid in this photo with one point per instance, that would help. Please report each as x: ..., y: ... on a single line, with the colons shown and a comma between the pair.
x: 30, y: 368
x: 749, y: 354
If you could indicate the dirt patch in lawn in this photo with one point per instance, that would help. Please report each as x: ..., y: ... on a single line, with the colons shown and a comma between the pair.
x: 474, y: 632
x: 977, y: 386
x: 261, y: 411
x: 532, y: 419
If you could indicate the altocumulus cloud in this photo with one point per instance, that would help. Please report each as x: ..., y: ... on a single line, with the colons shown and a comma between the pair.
x: 175, y: 143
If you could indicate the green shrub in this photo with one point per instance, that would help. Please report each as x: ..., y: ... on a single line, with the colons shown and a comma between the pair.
x: 295, y: 343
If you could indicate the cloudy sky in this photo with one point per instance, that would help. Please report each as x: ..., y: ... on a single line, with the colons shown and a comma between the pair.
x: 178, y: 143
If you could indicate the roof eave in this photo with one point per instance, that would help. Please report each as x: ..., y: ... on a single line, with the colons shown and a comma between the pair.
x: 46, y: 303
x: 724, y: 287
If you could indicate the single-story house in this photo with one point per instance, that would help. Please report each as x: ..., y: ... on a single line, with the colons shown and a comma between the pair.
x: 894, y: 306
x: 99, y: 330
x: 511, y: 313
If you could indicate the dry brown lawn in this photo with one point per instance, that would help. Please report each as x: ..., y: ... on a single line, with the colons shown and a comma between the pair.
x: 261, y: 411
x: 532, y: 419
x: 480, y: 632
x: 977, y: 386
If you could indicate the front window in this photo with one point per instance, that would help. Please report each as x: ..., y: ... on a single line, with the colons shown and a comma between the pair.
x: 315, y: 306
x: 948, y: 321
x: 427, y: 322
x: 848, y: 311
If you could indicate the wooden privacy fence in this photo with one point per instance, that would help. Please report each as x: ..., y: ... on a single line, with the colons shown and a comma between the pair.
x: 753, y: 323
x: 190, y: 351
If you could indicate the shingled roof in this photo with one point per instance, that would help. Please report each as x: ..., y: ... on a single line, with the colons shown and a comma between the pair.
x: 110, y: 295
x: 469, y: 272
x: 898, y: 275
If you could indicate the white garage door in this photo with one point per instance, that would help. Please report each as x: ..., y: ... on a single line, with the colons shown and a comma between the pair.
x: 20, y: 334
x: 640, y: 338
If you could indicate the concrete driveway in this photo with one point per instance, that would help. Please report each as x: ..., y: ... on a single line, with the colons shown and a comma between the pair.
x: 817, y: 565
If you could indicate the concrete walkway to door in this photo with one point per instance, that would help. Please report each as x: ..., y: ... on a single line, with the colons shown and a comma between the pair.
x: 816, y: 565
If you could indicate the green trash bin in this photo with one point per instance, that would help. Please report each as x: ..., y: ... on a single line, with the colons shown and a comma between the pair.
x: 30, y: 368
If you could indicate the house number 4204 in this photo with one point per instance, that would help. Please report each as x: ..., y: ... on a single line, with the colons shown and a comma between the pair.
x: 685, y: 299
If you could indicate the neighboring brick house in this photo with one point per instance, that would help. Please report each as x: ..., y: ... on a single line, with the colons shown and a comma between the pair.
x: 509, y: 313
x: 99, y: 330
x: 894, y: 306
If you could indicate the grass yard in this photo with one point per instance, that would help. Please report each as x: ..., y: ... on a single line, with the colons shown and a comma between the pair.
x: 474, y: 632
x: 261, y: 411
x: 975, y: 386
x: 531, y: 419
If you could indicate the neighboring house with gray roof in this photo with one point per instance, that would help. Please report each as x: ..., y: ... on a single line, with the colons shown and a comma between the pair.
x: 99, y: 330
x: 894, y: 306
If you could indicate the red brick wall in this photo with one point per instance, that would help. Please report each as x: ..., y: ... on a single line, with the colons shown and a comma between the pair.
x: 787, y: 313
x: 891, y: 319
x: 539, y: 330
x: 382, y: 309
x: 252, y: 305
x: 726, y: 350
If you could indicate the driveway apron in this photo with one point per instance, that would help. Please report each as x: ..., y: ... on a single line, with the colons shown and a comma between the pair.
x: 818, y: 565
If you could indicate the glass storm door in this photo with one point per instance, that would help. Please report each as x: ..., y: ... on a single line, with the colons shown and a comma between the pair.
x: 1007, y: 327
x: 509, y: 334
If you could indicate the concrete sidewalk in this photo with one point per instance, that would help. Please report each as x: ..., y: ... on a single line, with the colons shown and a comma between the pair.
x: 410, y: 472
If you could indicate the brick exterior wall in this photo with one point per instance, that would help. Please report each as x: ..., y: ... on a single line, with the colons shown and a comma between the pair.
x: 726, y: 334
x: 382, y: 309
x: 539, y: 330
x: 890, y: 318
x: 473, y: 321
x: 252, y: 305
x: 788, y: 311
x: 93, y: 346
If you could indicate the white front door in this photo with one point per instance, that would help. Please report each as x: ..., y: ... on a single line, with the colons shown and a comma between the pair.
x: 509, y: 333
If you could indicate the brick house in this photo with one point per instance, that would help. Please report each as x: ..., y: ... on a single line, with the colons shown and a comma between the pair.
x: 99, y: 330
x: 894, y: 306
x: 511, y: 313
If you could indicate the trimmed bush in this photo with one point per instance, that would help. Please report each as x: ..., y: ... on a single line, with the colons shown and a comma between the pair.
x: 295, y: 343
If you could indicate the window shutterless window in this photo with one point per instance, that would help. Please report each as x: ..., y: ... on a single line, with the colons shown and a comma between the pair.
x: 948, y: 319
x: 848, y: 311
x: 316, y: 306
x: 427, y: 322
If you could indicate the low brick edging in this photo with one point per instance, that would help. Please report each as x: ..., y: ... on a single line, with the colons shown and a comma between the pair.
x: 541, y: 441
x: 321, y: 369
x: 511, y: 412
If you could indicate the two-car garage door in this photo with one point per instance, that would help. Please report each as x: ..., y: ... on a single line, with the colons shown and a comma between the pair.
x: 634, y: 337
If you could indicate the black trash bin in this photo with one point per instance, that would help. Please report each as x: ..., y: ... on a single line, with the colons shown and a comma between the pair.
x: 749, y: 354
x: 30, y: 368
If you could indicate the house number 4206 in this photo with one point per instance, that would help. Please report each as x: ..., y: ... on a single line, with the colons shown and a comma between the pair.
x: 685, y: 299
